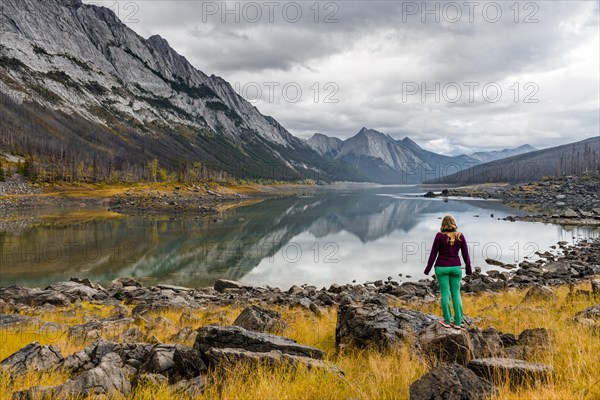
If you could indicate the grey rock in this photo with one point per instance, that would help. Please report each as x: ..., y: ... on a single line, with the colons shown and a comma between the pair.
x: 446, y: 345
x: 75, y: 290
x: 229, y: 358
x: 16, y: 294
x: 222, y: 284
x: 569, y: 213
x: 235, y: 337
x: 33, y: 357
x: 49, y: 297
x: 538, y: 338
x: 378, y: 326
x: 122, y: 282
x: 260, y: 319
x: 510, y: 370
x: 12, y: 320
x: 538, y: 292
x: 106, y: 379
x: 407, y: 290
x: 188, y: 363
x: 451, y: 382
x: 491, y: 261
x: 175, y: 361
x: 132, y: 354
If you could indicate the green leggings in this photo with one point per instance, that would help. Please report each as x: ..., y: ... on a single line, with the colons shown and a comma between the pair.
x: 449, y: 279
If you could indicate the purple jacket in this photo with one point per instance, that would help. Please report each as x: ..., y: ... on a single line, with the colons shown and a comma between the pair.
x: 447, y: 256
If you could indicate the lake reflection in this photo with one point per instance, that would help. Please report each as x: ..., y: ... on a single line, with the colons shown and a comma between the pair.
x: 322, y: 238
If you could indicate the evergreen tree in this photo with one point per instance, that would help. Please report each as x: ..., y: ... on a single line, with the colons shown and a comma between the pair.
x: 2, y: 176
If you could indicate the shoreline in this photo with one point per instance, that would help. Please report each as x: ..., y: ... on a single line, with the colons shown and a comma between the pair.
x: 579, y: 262
x: 150, y: 198
x: 569, y: 200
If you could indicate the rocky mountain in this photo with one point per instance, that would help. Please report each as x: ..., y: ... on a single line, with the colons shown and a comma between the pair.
x: 325, y: 145
x: 487, y: 156
x: 569, y: 159
x: 83, y: 95
x: 383, y: 159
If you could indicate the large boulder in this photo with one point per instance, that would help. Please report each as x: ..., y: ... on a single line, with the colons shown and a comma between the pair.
x: 510, y: 370
x: 488, y: 342
x: 536, y: 338
x: 174, y: 361
x: 228, y: 358
x: 451, y: 382
x: 33, y: 357
x: 378, y: 326
x: 260, y: 319
x: 446, y: 345
x: 235, y: 337
x: 107, y: 380
x: 132, y: 355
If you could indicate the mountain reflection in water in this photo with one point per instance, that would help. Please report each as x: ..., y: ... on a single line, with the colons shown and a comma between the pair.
x: 320, y: 239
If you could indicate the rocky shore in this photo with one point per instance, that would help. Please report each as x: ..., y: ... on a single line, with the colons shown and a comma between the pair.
x: 192, y: 199
x: 121, y: 355
x: 571, y: 200
x: 148, y: 199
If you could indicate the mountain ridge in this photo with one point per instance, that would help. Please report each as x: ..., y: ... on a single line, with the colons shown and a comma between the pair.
x: 572, y: 158
x: 80, y: 62
x: 384, y: 159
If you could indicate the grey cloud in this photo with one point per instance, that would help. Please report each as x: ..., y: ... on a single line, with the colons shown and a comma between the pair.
x: 373, y: 50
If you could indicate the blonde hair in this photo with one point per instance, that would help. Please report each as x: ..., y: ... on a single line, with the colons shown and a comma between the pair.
x: 450, y: 229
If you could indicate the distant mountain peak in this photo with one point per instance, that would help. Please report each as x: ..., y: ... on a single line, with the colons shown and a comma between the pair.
x: 408, y: 142
x: 486, y: 156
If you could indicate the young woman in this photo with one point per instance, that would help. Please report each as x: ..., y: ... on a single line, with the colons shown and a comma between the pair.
x: 444, y: 253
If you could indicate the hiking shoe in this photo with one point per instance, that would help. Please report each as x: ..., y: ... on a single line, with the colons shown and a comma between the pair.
x: 445, y: 325
x: 456, y: 326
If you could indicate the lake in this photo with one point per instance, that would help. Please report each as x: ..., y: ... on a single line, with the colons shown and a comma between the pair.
x: 320, y: 237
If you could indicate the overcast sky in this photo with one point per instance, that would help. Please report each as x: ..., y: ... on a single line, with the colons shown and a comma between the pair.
x: 368, y: 62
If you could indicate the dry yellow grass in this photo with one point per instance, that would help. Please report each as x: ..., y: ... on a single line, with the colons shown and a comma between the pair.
x: 369, y: 374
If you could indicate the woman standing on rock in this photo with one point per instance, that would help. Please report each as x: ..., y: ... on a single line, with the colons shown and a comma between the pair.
x: 446, y: 246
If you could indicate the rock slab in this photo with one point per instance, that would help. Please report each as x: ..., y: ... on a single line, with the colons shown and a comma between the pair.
x: 451, y: 382
x: 517, y: 372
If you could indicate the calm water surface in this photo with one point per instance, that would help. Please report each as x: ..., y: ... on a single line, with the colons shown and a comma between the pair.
x: 319, y: 238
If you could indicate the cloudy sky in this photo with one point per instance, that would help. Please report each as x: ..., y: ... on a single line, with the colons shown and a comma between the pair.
x: 451, y: 75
